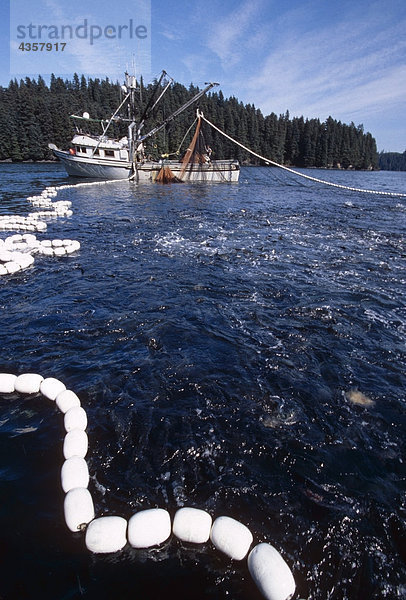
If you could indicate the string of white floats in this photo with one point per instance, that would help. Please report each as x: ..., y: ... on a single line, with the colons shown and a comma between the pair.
x: 17, y: 251
x: 151, y: 527
x: 268, y: 161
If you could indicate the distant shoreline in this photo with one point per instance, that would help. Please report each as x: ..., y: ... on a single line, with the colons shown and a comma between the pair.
x: 30, y: 161
x: 50, y: 161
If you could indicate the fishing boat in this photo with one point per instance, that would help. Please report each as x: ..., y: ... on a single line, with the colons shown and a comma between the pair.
x: 102, y: 157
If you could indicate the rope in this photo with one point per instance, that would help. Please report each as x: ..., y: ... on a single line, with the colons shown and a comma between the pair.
x: 184, y: 137
x: 75, y: 185
x: 275, y: 164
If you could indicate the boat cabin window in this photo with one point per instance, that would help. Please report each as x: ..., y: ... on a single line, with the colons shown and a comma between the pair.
x: 96, y: 152
x: 109, y: 153
x: 81, y: 149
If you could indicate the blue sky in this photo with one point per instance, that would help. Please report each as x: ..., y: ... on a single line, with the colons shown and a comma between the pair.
x: 314, y: 58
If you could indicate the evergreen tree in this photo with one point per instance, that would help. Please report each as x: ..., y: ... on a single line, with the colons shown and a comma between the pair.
x: 392, y: 161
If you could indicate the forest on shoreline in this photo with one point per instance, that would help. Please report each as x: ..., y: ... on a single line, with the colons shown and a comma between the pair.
x: 392, y: 161
x: 33, y: 114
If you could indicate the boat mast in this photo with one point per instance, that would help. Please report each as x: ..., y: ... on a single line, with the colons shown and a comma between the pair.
x: 131, y: 85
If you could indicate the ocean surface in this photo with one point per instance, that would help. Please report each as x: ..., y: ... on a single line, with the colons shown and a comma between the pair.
x: 237, y: 348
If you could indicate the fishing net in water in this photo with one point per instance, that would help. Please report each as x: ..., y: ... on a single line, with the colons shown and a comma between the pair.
x: 165, y: 175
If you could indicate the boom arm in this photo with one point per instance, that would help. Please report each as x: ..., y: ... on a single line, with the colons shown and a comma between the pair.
x: 177, y: 112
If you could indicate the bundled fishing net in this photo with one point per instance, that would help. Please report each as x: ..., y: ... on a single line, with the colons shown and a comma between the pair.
x: 197, y: 152
x: 165, y: 175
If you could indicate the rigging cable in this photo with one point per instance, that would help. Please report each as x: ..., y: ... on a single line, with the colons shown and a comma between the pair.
x: 275, y: 164
x: 184, y: 137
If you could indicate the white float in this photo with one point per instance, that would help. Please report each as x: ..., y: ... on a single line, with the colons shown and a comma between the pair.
x: 14, y: 222
x: 27, y: 243
x: 73, y: 246
x: 60, y: 208
x: 46, y: 251
x: 12, y: 267
x: 28, y: 383
x: 78, y: 508
x: 58, y: 247
x: 271, y: 573
x: 106, y: 534
x: 231, y: 537
x: 13, y: 239
x: 6, y: 255
x: 192, y: 525
x: 149, y: 528
x: 51, y: 387
x: 42, y: 203
x: 22, y: 259
x: 66, y: 400
x: 74, y: 473
x: 76, y: 443
x: 29, y: 238
x: 75, y: 418
x: 18, y: 245
x: 7, y: 383
x: 47, y: 214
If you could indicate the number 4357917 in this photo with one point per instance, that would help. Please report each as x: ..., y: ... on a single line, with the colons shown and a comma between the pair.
x: 42, y: 46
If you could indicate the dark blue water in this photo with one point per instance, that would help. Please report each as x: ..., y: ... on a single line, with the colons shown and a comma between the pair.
x: 217, y: 336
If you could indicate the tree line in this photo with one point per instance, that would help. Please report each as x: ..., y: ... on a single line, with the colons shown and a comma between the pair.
x: 392, y: 161
x: 33, y: 114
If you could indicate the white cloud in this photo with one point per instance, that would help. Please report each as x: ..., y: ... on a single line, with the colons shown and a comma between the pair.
x: 345, y: 68
x: 172, y: 36
x: 228, y: 37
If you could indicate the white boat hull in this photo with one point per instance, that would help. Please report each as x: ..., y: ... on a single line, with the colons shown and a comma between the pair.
x: 77, y: 166
x: 216, y: 171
